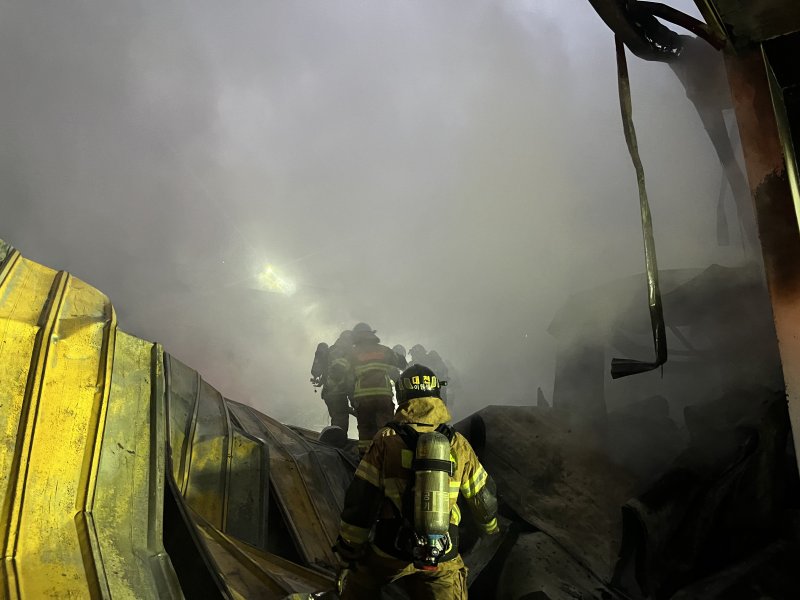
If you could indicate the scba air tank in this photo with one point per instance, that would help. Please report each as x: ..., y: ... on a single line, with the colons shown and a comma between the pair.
x: 432, y: 468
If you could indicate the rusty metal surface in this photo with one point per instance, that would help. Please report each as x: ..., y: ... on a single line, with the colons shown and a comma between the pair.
x: 780, y: 57
x: 80, y: 463
x: 775, y: 211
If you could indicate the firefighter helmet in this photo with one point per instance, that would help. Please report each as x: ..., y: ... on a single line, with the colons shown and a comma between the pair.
x: 345, y: 338
x: 417, y: 381
x: 362, y: 328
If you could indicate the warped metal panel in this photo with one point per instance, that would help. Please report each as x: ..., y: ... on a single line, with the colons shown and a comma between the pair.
x: 96, y: 423
x: 253, y: 573
x: 248, y: 490
x: 248, y: 419
x: 207, y: 446
x: 131, y: 472
x: 64, y: 408
x: 299, y: 486
x: 314, y: 478
x: 183, y: 387
x: 222, y: 471
x: 291, y: 576
x: 337, y: 471
x: 66, y: 532
x: 24, y: 287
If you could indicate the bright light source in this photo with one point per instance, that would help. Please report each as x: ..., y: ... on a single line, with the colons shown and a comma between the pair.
x: 271, y: 281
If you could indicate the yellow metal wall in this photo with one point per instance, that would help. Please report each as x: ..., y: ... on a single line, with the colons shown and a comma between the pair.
x: 81, y: 469
x: 91, y: 420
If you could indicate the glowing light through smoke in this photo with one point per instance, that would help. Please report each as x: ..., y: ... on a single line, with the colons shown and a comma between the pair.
x: 270, y: 280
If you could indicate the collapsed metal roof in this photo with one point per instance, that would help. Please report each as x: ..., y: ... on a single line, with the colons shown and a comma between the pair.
x: 126, y: 475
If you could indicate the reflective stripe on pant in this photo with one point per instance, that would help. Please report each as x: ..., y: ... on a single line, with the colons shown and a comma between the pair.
x: 373, y: 412
x: 448, y: 582
x: 339, y: 410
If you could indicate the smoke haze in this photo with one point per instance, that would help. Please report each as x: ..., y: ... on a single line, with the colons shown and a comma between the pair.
x: 450, y: 172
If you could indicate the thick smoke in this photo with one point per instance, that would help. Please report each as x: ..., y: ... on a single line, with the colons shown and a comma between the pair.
x: 451, y: 172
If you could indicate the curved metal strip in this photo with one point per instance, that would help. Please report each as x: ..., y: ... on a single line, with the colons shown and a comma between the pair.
x: 622, y: 367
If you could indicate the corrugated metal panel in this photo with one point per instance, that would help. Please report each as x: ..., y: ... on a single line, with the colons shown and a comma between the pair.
x: 300, y: 487
x: 183, y: 387
x: 221, y: 470
x: 91, y: 416
x: 78, y: 517
x: 247, y: 489
x: 131, y: 475
x: 205, y: 486
x: 252, y: 573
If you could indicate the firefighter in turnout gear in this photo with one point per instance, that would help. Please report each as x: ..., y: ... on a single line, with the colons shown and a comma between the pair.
x: 418, y: 355
x: 337, y: 385
x: 374, y: 367
x: 407, y: 487
x: 401, y: 353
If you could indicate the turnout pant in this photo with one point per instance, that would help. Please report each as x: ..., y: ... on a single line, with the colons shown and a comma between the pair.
x: 448, y: 582
x: 339, y: 410
x: 372, y: 413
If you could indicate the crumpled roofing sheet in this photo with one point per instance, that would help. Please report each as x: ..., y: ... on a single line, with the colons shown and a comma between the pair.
x: 95, y: 420
x: 81, y: 459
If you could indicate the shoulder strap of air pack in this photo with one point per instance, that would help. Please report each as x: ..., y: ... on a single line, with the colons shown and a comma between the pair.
x: 408, y: 434
x: 447, y: 431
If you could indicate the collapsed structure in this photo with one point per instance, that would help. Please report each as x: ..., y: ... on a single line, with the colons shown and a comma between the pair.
x: 126, y: 475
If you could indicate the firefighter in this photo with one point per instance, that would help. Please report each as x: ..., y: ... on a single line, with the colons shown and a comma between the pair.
x: 337, y: 385
x: 374, y: 366
x: 400, y: 350
x: 418, y: 355
x: 409, y: 545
